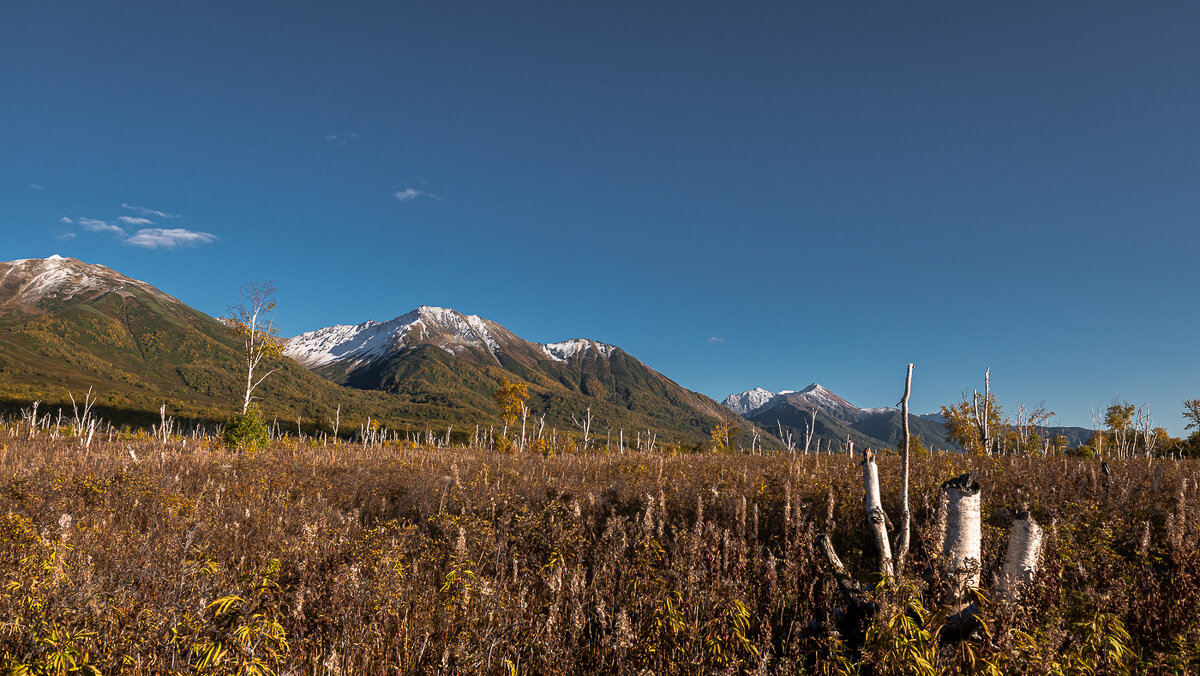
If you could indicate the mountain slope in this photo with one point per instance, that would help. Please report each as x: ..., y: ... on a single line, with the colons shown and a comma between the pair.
x: 66, y: 325
x: 442, y: 357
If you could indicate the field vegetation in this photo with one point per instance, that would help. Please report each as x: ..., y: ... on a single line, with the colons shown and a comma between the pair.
x: 152, y: 554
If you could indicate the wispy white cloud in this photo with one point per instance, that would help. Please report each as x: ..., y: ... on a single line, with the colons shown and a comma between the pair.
x: 143, y: 211
x: 409, y: 194
x: 37, y: 186
x: 715, y: 339
x: 139, y: 236
x: 342, y: 138
x: 97, y: 225
x: 169, y: 238
x: 65, y: 235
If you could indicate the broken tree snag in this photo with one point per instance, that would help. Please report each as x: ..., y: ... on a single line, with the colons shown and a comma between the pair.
x: 1021, y: 559
x: 906, y: 515
x: 961, y: 548
x: 850, y: 588
x: 876, y: 519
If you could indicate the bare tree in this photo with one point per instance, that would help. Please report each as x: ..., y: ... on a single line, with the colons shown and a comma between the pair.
x: 786, y: 437
x: 906, y: 515
x: 336, y: 423
x: 585, y: 425
x: 252, y: 319
x: 982, y: 422
x: 810, y: 428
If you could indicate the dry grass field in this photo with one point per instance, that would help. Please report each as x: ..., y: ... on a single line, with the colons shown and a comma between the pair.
x: 145, y: 556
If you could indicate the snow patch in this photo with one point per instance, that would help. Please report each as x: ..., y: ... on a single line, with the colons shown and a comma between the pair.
x: 370, y: 340
x: 568, y: 349
x: 64, y: 278
x: 747, y: 402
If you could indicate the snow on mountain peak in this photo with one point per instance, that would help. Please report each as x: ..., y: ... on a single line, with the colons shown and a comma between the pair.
x: 442, y: 327
x: 63, y: 278
x: 576, y: 346
x: 749, y: 401
x: 448, y: 329
x: 815, y: 394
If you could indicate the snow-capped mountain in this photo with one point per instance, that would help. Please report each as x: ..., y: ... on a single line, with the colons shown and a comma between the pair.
x: 439, y: 355
x: 31, y: 283
x: 448, y: 329
x: 836, y: 419
x: 815, y: 395
x: 455, y: 333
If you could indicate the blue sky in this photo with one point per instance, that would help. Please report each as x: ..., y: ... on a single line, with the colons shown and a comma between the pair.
x: 739, y: 196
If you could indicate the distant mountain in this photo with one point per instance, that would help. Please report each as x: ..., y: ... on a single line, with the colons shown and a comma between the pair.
x: 838, y: 420
x: 444, y: 357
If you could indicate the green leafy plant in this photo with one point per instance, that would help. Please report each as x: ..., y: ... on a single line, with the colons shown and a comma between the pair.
x: 246, y: 432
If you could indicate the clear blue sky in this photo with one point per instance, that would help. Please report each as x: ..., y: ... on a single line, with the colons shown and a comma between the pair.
x: 773, y: 195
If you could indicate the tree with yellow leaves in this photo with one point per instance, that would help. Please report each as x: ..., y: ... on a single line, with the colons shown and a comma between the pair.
x: 511, y: 398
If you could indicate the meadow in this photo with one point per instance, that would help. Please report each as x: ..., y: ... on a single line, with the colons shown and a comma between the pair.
x: 140, y: 554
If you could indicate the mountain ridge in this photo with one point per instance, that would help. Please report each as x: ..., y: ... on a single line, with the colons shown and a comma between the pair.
x: 67, y: 325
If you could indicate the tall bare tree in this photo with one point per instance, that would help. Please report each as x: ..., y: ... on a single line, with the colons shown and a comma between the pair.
x: 906, y: 515
x: 254, y: 321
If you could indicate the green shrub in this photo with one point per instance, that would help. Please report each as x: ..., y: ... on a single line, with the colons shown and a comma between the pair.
x: 246, y: 432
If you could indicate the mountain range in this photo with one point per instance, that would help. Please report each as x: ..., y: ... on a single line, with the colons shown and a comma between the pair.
x: 439, y: 355
x: 67, y: 325
x: 833, y: 420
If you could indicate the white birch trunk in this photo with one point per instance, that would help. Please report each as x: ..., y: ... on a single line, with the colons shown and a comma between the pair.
x: 876, y: 519
x: 1021, y: 558
x: 906, y: 515
x: 961, y: 549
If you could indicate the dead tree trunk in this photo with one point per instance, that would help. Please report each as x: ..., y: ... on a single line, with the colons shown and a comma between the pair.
x: 876, y: 519
x: 905, y: 514
x: 1021, y: 558
x: 961, y: 548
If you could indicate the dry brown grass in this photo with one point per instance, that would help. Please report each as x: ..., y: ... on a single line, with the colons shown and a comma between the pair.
x: 136, y: 556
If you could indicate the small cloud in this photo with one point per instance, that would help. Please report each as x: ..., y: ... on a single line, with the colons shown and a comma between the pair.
x: 143, y: 211
x: 37, y: 186
x: 169, y: 238
x: 342, y: 138
x: 131, y: 220
x: 97, y: 225
x: 65, y: 236
x: 66, y: 220
x: 715, y: 339
x: 409, y: 194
